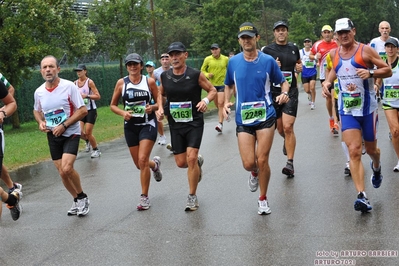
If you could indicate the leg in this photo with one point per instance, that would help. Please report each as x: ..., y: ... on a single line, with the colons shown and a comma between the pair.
x: 392, y: 116
x: 353, y: 139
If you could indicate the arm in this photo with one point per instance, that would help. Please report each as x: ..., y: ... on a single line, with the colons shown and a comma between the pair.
x: 371, y: 57
x: 9, y: 107
x: 204, y: 69
x: 207, y: 86
x: 115, y: 98
x: 160, y: 101
x: 95, y: 93
x: 154, y: 91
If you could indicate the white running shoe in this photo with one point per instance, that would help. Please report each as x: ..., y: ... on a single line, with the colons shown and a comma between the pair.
x: 88, y: 147
x: 83, y: 206
x: 219, y: 128
x: 312, y: 107
x: 162, y: 140
x: 158, y: 172
x: 396, y: 168
x: 144, y: 203
x: 263, y: 207
x: 95, y: 154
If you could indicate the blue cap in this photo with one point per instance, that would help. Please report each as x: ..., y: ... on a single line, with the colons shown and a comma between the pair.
x: 150, y: 63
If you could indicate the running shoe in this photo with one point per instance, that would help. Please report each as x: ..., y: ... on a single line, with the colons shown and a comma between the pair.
x: 16, y: 210
x: 192, y: 203
x: 17, y: 186
x: 331, y: 123
x: 157, y: 173
x: 200, y: 163
x: 312, y: 106
x: 396, y: 168
x: 284, y: 149
x: 347, y: 170
x: 263, y: 207
x: 219, y: 128
x: 363, y: 149
x: 253, y: 181
x: 162, y: 140
x: 83, y: 206
x: 144, y: 203
x: 362, y: 203
x: 376, y: 177
x: 288, y: 170
x: 95, y: 153
x: 74, y: 209
x: 88, y: 146
x: 169, y: 147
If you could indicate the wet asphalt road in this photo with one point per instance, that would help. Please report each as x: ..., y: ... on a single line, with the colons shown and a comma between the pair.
x: 312, y: 220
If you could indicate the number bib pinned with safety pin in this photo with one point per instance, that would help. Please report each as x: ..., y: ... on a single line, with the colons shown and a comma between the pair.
x: 391, y: 92
x: 352, y: 101
x: 253, y: 111
x: 55, y: 117
x: 181, y: 111
x: 137, y: 108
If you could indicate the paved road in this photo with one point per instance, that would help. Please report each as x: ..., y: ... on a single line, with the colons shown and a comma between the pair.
x: 312, y: 214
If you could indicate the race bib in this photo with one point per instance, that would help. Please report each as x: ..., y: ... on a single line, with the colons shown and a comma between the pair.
x: 55, y: 117
x: 287, y: 76
x: 137, y: 108
x: 181, y: 111
x: 253, y: 111
x: 351, y: 101
x: 310, y: 64
x: 391, y: 92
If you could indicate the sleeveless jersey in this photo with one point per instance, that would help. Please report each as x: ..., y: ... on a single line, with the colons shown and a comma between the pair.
x: 391, y: 88
x: 183, y: 93
x: 288, y: 55
x: 362, y: 100
x: 135, y: 98
x: 253, y: 87
x: 308, y: 66
x: 85, y: 89
x: 323, y: 48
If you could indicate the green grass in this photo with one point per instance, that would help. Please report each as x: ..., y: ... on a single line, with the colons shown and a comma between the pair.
x: 27, y: 145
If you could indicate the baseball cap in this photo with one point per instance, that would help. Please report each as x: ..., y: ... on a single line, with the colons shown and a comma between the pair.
x: 392, y: 41
x: 247, y: 28
x: 280, y: 23
x: 326, y: 27
x: 214, y: 45
x: 150, y: 63
x: 80, y: 67
x: 176, y: 46
x: 307, y: 40
x: 133, y: 58
x: 343, y: 24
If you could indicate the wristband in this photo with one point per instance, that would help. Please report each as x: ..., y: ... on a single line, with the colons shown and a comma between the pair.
x: 64, y: 125
x: 284, y: 92
x: 206, y: 100
x: 4, y: 112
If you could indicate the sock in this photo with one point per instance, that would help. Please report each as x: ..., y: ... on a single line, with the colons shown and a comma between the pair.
x: 290, y: 161
x: 345, y: 149
x: 12, y: 200
x: 75, y: 199
x: 261, y: 198
x: 81, y: 195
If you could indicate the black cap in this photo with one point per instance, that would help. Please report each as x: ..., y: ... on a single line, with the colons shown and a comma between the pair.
x: 247, y: 28
x: 392, y: 41
x: 214, y: 45
x: 133, y: 58
x: 280, y: 23
x: 176, y: 46
x: 307, y: 39
x: 80, y: 67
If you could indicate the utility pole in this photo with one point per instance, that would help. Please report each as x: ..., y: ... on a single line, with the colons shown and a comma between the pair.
x: 154, y: 32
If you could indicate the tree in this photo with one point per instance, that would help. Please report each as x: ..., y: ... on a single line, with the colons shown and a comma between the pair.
x: 220, y: 21
x: 122, y: 25
x: 31, y: 29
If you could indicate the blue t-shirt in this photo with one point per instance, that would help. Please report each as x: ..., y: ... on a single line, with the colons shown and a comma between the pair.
x: 253, y: 81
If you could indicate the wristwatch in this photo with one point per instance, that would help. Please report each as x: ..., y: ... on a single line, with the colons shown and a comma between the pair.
x: 5, y: 114
x: 284, y: 92
x: 371, y: 72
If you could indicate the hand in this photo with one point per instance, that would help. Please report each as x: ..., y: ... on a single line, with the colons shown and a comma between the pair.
x: 227, y: 110
x: 282, y: 98
x: 201, y: 106
x: 160, y: 115
x: 325, y: 92
x: 278, y: 62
